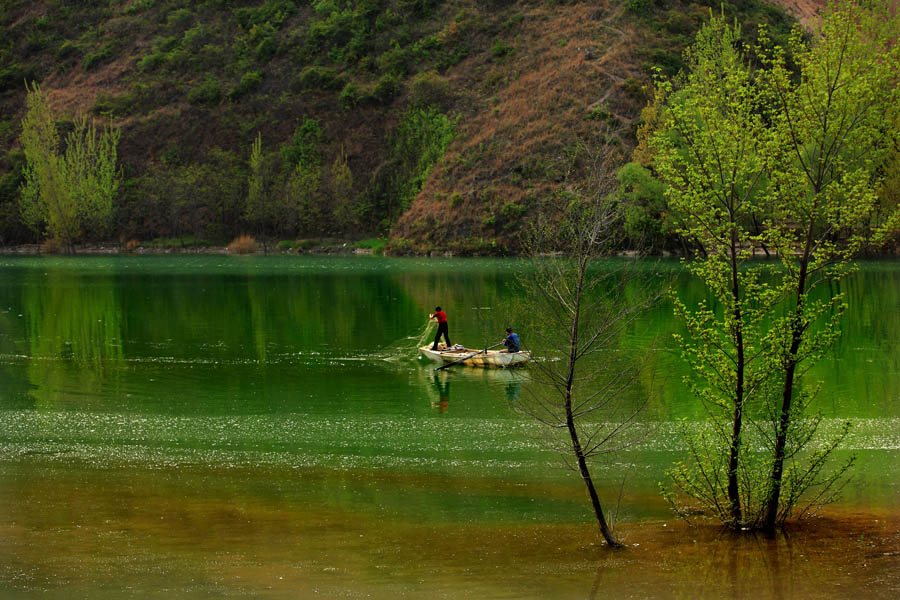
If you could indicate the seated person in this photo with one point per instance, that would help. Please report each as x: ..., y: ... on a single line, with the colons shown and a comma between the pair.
x: 511, y: 341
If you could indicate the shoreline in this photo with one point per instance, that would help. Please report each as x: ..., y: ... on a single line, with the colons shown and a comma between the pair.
x: 326, y: 248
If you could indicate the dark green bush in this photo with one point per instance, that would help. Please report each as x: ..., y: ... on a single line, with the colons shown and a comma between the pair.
x: 272, y: 11
x: 180, y: 19
x: 350, y: 96
x: 266, y: 48
x: 250, y: 82
x: 208, y: 92
x: 93, y: 59
x: 387, y: 88
x: 318, y: 78
x: 67, y: 49
x: 501, y: 49
x: 196, y: 37
x: 12, y: 77
x: 165, y: 43
x: 635, y: 90
x: 304, y: 148
x: 152, y: 61
x: 638, y: 7
x: 396, y: 61
x: 115, y: 106
x: 670, y: 62
x: 430, y: 89
x: 139, y: 6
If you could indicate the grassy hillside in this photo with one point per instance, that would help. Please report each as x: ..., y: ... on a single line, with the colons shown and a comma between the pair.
x: 446, y: 124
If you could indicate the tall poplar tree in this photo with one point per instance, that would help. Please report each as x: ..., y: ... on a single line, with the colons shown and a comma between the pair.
x: 342, y: 192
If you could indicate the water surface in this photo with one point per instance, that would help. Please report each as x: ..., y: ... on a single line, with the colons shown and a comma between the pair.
x: 227, y: 426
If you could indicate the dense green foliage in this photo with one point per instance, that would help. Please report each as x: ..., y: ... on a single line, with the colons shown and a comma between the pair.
x: 787, y: 157
x: 67, y: 193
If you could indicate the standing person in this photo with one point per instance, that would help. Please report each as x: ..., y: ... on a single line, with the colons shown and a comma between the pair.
x: 441, y: 317
x: 511, y: 341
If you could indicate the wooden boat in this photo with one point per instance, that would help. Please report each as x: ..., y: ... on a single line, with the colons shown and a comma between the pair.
x: 491, y: 358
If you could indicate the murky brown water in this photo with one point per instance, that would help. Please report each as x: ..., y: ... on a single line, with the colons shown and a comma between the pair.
x: 200, y: 532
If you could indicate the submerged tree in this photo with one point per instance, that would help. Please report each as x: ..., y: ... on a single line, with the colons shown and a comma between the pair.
x: 576, y: 306
x: 762, y: 158
x: 66, y: 192
x: 833, y: 130
x: 708, y: 152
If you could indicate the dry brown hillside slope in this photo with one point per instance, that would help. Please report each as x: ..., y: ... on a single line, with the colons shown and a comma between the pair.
x: 576, y: 77
x: 805, y: 11
x: 572, y: 78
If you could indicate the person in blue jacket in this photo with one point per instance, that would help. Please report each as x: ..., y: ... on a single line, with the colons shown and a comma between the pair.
x: 511, y: 341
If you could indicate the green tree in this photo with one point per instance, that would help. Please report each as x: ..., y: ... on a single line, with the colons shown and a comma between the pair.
x: 708, y: 151
x: 342, y: 192
x: 764, y: 158
x: 260, y: 209
x: 66, y: 193
x: 832, y: 133
x: 303, y: 188
x: 419, y: 142
x: 646, y: 217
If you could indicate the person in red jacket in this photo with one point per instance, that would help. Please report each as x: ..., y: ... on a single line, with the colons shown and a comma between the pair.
x: 441, y: 317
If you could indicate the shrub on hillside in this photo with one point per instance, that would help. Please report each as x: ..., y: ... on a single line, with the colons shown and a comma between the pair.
x: 208, y: 92
x: 115, y: 106
x: 250, y: 82
x: 501, y: 49
x: 430, y: 89
x: 180, y: 19
x: 387, y: 88
x: 12, y: 76
x: 93, y: 59
x: 272, y: 11
x: 151, y: 61
x: 244, y: 244
x: 196, y: 37
x: 318, y: 78
x: 350, y: 96
x: 165, y: 43
x: 266, y: 48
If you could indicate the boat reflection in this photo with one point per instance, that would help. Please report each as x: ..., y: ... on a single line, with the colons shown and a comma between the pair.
x: 509, y: 380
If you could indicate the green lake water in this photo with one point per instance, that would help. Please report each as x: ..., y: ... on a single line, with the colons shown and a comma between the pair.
x: 217, y: 426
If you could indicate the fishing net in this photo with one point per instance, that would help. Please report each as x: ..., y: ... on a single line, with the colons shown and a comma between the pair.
x: 407, y: 348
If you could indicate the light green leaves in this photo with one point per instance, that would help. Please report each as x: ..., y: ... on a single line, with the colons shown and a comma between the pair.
x: 72, y: 191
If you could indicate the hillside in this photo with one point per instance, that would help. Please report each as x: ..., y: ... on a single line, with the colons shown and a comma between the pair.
x: 445, y: 124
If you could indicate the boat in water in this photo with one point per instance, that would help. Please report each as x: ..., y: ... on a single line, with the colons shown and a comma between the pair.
x: 475, y: 357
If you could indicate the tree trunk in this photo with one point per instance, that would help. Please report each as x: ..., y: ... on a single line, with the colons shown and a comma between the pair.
x: 734, y: 495
x: 784, y: 420
x: 570, y: 418
x: 586, y: 476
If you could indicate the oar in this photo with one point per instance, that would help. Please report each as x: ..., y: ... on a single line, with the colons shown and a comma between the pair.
x: 466, y: 357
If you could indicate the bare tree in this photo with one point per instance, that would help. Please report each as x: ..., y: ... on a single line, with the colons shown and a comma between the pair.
x: 578, y: 299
